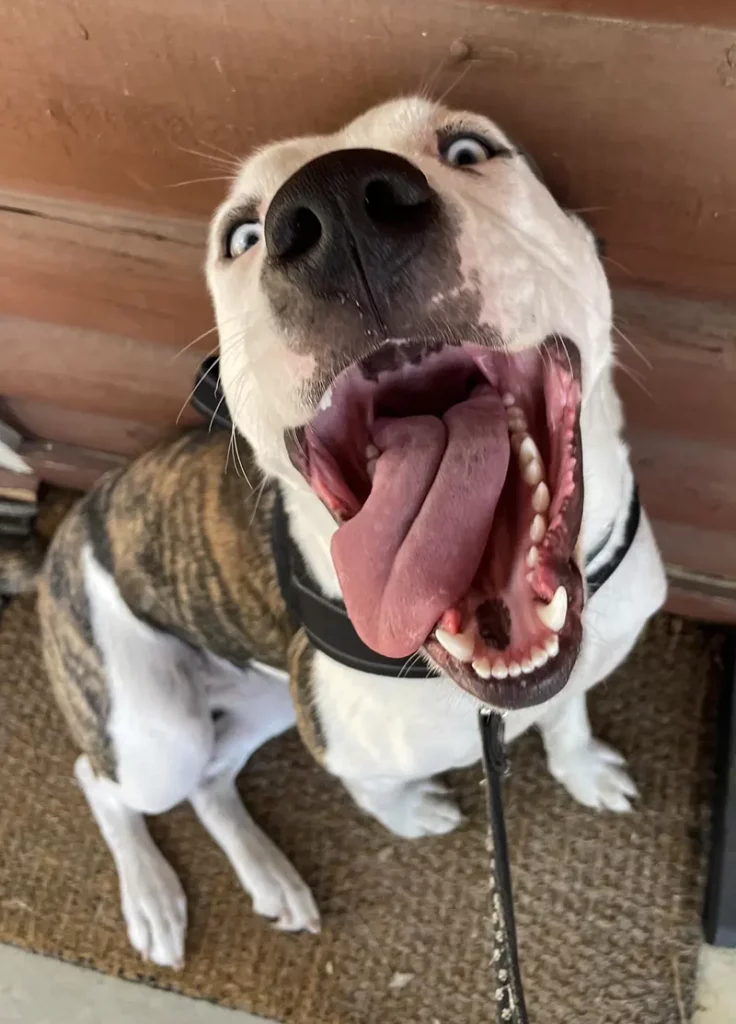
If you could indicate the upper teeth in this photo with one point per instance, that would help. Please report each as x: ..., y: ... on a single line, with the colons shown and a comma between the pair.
x: 459, y: 645
x: 540, y: 498
x: 500, y: 669
x: 326, y: 399
x: 528, y: 452
x: 537, y: 529
x: 553, y: 615
x: 532, y: 472
x: 483, y: 668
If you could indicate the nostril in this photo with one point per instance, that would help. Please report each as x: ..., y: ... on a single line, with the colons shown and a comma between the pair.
x: 295, y: 234
x: 394, y: 206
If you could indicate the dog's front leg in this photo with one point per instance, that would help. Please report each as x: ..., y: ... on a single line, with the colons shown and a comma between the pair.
x: 411, y: 809
x: 271, y: 881
x: 591, y: 771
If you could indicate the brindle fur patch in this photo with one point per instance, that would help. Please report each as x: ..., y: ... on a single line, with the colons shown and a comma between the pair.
x: 187, y: 540
x: 301, y: 660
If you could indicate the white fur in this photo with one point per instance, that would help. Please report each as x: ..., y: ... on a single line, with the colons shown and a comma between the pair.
x: 386, y: 738
x: 167, y: 750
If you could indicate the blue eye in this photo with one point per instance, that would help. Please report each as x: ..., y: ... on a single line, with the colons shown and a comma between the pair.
x: 465, y: 151
x: 243, y: 237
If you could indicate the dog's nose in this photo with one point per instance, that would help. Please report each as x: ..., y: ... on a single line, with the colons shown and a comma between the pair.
x: 348, y: 219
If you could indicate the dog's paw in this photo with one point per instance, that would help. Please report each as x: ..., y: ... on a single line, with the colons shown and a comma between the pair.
x: 595, y: 775
x: 424, y: 808
x: 155, y: 909
x: 278, y: 891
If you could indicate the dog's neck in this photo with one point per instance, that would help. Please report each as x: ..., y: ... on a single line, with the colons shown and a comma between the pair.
x: 607, y: 478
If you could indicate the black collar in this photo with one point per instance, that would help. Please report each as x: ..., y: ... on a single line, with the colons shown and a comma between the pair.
x: 595, y: 578
x: 326, y: 622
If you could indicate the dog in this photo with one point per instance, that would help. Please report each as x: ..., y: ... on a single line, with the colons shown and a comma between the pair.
x: 416, y: 352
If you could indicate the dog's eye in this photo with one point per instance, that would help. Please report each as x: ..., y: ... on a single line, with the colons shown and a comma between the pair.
x: 243, y: 237
x: 465, y: 151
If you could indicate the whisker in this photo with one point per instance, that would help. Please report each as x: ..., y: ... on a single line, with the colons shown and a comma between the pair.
x: 615, y: 263
x: 635, y: 378
x: 632, y: 346
x: 188, y: 400
x: 198, y: 181
x: 233, y: 164
x: 258, y: 495
x: 217, y: 409
x: 458, y: 79
x: 219, y: 149
x: 200, y: 337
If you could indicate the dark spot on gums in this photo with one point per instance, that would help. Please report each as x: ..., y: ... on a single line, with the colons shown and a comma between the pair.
x: 494, y: 623
x: 393, y: 357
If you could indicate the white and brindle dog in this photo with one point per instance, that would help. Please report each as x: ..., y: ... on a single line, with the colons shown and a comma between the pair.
x: 416, y: 352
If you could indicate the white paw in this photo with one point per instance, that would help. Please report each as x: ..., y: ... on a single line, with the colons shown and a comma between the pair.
x: 154, y: 908
x: 424, y: 808
x: 595, y: 775
x: 277, y: 890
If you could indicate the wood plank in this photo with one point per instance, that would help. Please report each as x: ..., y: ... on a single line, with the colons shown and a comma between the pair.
x: 93, y: 372
x: 99, y: 268
x: 69, y: 466
x: 686, y: 481
x: 684, y: 12
x: 705, y: 607
x: 630, y: 118
x: 44, y: 420
x: 679, y: 360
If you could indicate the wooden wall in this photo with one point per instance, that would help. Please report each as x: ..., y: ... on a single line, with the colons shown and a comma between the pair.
x: 629, y: 107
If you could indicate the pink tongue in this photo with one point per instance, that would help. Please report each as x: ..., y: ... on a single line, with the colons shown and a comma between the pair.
x: 416, y: 544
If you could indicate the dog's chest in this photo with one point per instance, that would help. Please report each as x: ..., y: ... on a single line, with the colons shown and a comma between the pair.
x: 414, y: 727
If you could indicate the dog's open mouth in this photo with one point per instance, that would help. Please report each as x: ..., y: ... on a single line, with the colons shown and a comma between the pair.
x: 455, y: 473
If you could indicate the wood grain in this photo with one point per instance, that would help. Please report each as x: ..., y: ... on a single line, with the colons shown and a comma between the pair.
x: 94, y: 372
x: 44, y: 420
x: 102, y: 268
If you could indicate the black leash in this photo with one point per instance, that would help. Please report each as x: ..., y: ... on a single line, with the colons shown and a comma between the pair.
x: 509, y: 992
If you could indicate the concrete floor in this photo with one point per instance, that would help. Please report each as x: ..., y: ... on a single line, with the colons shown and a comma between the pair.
x: 35, y: 990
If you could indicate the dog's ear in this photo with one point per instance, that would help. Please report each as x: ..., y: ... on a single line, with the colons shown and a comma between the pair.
x: 600, y: 243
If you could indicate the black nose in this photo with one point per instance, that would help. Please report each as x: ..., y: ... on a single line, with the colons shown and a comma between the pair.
x: 348, y: 219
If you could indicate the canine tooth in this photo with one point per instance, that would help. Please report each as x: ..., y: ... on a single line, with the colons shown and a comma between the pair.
x: 533, y: 472
x: 460, y: 645
x: 529, y: 451
x: 540, y: 498
x: 326, y: 399
x: 514, y: 669
x: 552, y: 646
x: 482, y: 668
x: 539, y: 657
x: 532, y: 556
x: 499, y: 670
x: 538, y: 529
x: 508, y: 400
x: 526, y: 666
x: 553, y: 615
